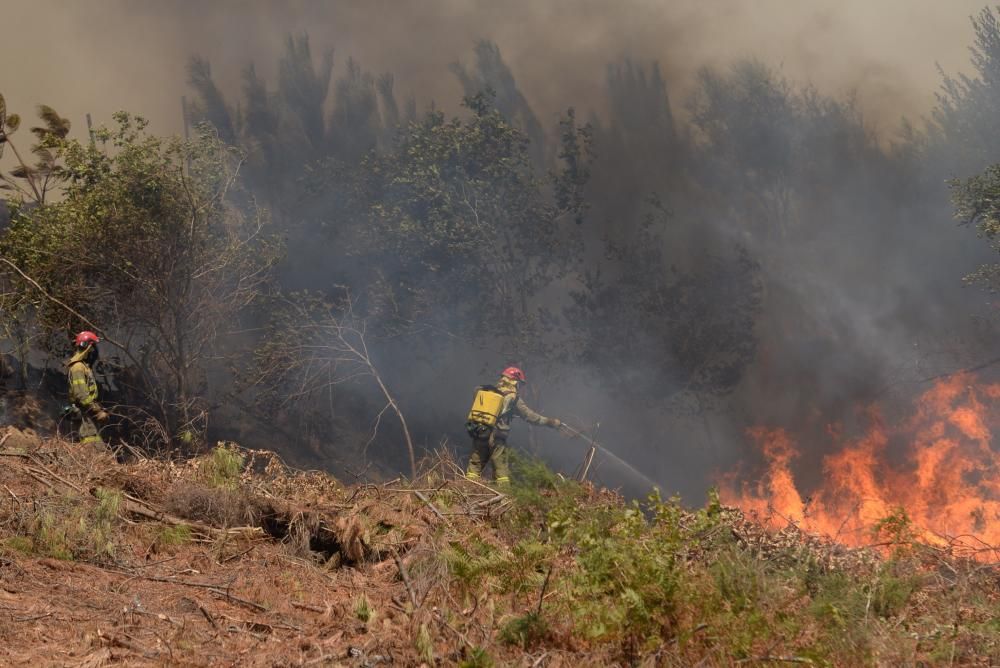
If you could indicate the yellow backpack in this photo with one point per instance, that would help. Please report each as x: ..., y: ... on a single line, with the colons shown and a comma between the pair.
x: 485, y: 411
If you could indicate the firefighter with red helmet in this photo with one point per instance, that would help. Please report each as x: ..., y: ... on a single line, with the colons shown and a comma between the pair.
x: 489, y: 422
x: 83, y: 387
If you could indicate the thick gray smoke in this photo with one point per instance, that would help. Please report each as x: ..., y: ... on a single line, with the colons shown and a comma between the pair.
x: 854, y: 264
x: 99, y: 57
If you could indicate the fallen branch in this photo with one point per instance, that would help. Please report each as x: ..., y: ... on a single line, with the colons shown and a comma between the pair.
x: 14, y: 453
x: 47, y: 483
x: 778, y: 659
x: 489, y: 501
x: 430, y: 505
x: 12, y: 494
x: 134, y: 506
x: 237, y: 555
x: 213, y: 587
x: 207, y: 615
x: 545, y: 586
x: 33, y: 617
x: 156, y: 578
x: 253, y: 625
x: 404, y: 576
x: 236, y: 599
x: 156, y: 615
x: 115, y: 641
x: 54, y: 476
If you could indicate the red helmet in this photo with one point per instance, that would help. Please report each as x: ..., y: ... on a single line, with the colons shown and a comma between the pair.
x: 84, y: 339
x: 515, y: 373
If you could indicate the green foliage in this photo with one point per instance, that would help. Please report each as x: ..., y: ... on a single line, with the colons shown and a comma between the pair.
x: 174, y: 536
x: 104, y: 520
x: 700, y: 321
x: 305, y: 87
x: 626, y: 578
x: 424, y: 645
x: 541, y: 496
x: 34, y: 182
x: 976, y: 200
x: 492, y: 76
x: 632, y: 579
x: 470, y: 562
x: 152, y: 236
x: 525, y: 630
x: 363, y: 609
x: 55, y: 536
x: 897, y: 529
x: 456, y: 210
x: 72, y: 527
x: 222, y: 469
x: 476, y: 657
x: 20, y: 544
x: 477, y: 566
x: 891, y: 592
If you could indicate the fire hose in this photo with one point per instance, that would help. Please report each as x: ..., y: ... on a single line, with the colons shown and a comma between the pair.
x: 594, y: 447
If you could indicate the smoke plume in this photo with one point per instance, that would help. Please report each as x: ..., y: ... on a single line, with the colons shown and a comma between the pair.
x: 849, y: 264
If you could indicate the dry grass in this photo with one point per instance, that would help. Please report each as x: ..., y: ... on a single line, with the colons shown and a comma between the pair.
x: 162, y: 563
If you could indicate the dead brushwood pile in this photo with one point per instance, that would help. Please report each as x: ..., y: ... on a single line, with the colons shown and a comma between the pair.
x: 233, y: 559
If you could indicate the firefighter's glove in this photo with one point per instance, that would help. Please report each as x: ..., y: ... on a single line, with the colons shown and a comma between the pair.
x: 101, y: 415
x: 555, y: 423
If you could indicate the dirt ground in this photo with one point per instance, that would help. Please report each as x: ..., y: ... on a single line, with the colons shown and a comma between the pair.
x: 218, y: 596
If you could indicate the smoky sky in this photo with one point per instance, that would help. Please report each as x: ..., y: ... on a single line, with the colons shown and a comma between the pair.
x: 103, y: 55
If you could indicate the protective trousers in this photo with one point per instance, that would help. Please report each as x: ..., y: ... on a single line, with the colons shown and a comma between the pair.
x: 88, y: 431
x: 491, y: 449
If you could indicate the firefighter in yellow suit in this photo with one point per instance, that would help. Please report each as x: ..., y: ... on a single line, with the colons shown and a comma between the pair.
x: 489, y: 424
x: 83, y: 387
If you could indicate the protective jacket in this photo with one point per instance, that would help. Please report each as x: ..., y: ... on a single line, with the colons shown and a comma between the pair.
x: 515, y: 405
x: 83, y: 395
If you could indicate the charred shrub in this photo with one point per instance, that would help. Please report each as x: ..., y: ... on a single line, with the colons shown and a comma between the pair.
x: 216, y: 506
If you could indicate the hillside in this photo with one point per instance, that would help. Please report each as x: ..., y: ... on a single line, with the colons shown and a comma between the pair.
x: 235, y: 559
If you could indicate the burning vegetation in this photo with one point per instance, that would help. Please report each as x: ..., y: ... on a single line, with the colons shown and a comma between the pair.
x: 936, y: 471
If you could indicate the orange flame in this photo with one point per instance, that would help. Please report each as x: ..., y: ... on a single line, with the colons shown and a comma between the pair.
x: 947, y: 479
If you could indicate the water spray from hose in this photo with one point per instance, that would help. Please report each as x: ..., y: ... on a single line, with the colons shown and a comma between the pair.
x: 594, y: 447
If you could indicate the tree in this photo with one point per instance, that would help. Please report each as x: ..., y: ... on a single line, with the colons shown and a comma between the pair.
x: 450, y: 238
x: 153, y: 242
x: 303, y: 88
x: 311, y: 346
x: 748, y: 121
x: 966, y: 131
x: 977, y: 202
x: 676, y: 335
x: 30, y: 186
x: 461, y: 232
x: 33, y: 182
x: 355, y: 123
x: 492, y: 75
